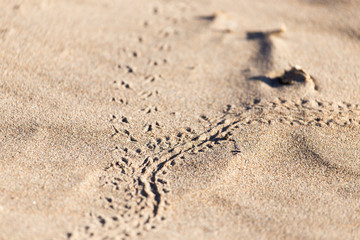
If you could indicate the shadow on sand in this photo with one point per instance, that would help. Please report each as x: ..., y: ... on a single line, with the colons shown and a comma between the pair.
x: 272, y: 82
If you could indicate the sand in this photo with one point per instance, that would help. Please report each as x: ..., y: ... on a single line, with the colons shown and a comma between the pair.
x: 179, y: 119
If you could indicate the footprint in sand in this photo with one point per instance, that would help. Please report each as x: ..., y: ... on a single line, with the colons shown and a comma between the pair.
x: 221, y: 21
x: 297, y: 75
x: 265, y: 61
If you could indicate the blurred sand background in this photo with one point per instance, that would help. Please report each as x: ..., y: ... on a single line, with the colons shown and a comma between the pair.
x: 143, y: 119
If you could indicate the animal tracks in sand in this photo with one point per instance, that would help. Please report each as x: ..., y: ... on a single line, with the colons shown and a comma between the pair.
x: 135, y: 185
x: 133, y: 188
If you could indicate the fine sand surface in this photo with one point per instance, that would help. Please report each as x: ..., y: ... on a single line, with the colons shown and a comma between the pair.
x: 176, y: 120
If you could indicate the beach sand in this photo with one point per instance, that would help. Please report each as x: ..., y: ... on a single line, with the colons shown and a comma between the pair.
x: 179, y: 119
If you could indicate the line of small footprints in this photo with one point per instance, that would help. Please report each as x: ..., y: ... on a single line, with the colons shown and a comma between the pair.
x: 301, y: 112
x: 130, y: 208
x: 146, y: 184
x: 136, y: 184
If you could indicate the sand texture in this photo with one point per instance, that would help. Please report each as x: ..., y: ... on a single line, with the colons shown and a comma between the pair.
x: 140, y: 119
